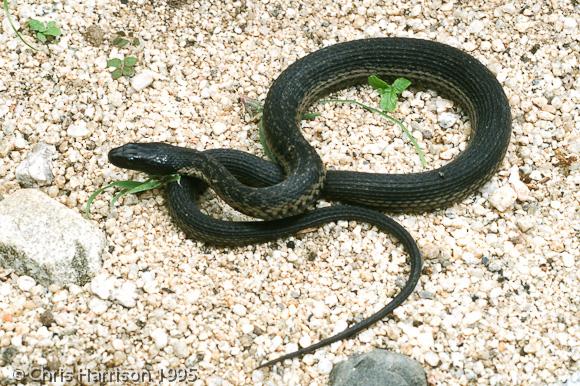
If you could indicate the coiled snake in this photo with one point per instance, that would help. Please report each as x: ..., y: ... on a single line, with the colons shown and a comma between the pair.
x: 283, y: 193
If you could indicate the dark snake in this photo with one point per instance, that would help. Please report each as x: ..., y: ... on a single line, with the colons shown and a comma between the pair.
x: 284, y: 193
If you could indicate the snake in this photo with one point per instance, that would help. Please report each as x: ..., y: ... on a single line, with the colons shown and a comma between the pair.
x: 282, y: 194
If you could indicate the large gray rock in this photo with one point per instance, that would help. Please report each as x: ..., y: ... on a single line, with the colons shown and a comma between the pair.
x: 42, y: 238
x: 378, y: 368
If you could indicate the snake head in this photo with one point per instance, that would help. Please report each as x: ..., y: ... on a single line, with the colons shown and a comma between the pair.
x: 153, y: 158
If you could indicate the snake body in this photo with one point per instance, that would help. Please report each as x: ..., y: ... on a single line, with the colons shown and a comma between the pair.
x: 283, y: 192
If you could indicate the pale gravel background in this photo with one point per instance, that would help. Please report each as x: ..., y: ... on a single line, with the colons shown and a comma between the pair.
x: 514, y: 321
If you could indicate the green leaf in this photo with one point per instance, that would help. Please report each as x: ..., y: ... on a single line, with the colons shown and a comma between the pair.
x: 36, y: 25
x: 121, y: 184
x: 401, y: 84
x: 377, y: 83
x: 120, y: 42
x: 41, y: 37
x: 150, y: 184
x: 310, y: 116
x: 130, y: 61
x: 116, y: 197
x: 388, y: 100
x: 52, y: 30
x: 115, y: 62
x: 135, y: 42
x: 128, y: 71
x: 117, y: 73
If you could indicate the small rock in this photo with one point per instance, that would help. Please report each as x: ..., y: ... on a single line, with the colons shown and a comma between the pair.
x: 497, y: 45
x: 573, y: 379
x: 181, y: 348
x: 567, y: 260
x: 476, y: 27
x: 47, y: 318
x: 94, y: 35
x: 36, y: 169
x: 25, y: 283
x: 98, y: 306
x: 305, y: 341
x: 159, y: 337
x: 325, y: 366
x: 447, y: 154
x: 378, y: 368
x: 239, y: 309
x: 472, y: 318
x: 78, y: 129
x: 44, y: 239
x: 432, y: 359
x: 102, y: 286
x: 447, y: 120
x: 116, y: 98
x: 570, y: 24
x: 494, y: 267
x: 521, y: 189
x: 6, y: 145
x: 503, y: 198
x: 219, y: 128
x: 525, y: 223
x: 373, y: 148
x: 142, y: 80
x: 126, y: 294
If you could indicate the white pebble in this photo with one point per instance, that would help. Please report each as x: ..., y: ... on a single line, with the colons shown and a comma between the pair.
x: 319, y: 310
x: 239, y: 309
x: 525, y: 223
x: 25, y: 283
x: 503, y: 198
x: 116, y: 99
x: 373, y: 148
x: 567, y: 260
x: 181, y: 348
x: 476, y: 26
x: 446, y: 119
x: 472, y: 318
x: 98, y: 306
x: 325, y: 366
x: 192, y: 296
x: 305, y: 341
x: 102, y: 285
x: 159, y: 337
x: 219, y: 128
x: 431, y: 358
x: 142, y: 80
x: 497, y: 45
x: 126, y: 295
x: 78, y: 129
x: 570, y: 24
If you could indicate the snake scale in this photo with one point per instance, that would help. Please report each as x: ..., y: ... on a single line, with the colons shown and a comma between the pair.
x: 284, y: 192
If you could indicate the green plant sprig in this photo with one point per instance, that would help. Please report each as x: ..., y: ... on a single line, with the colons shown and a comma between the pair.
x: 125, y: 67
x: 389, y: 96
x: 44, y: 32
x: 409, y: 135
x: 11, y: 22
x: 131, y: 187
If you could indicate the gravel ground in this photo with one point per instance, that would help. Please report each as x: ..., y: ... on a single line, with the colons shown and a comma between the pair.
x: 498, y: 302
